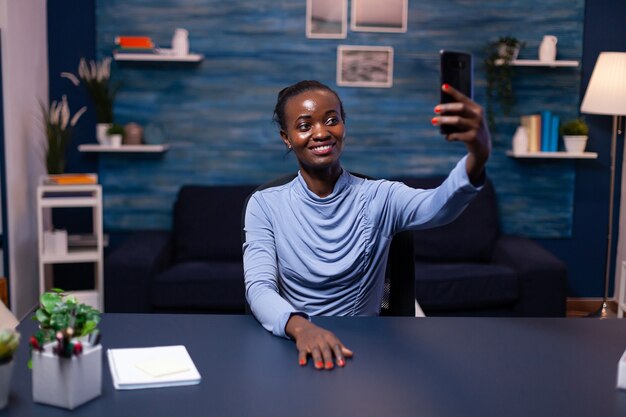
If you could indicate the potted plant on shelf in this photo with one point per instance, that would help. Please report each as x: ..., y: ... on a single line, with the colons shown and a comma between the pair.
x: 96, y: 77
x: 9, y: 341
x: 65, y: 352
x: 575, y: 133
x: 499, y: 74
x: 114, y: 134
x: 58, y: 128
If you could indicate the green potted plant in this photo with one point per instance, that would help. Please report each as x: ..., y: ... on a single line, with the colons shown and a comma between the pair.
x: 96, y: 77
x: 115, y: 133
x: 58, y: 125
x: 575, y: 133
x: 499, y: 74
x: 9, y: 341
x: 66, y: 353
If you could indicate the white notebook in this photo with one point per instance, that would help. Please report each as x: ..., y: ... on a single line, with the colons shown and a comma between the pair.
x: 152, y: 367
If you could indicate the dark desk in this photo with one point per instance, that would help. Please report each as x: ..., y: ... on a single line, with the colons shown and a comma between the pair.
x: 402, y: 367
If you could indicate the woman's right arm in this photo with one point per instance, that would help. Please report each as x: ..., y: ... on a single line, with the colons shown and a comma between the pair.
x: 261, y: 270
x: 273, y: 311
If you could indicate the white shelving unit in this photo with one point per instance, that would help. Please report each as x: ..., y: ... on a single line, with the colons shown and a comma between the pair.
x: 156, y: 57
x: 123, y: 148
x: 554, y: 155
x: 65, y: 196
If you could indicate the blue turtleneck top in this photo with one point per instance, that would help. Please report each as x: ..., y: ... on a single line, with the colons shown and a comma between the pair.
x: 327, y: 256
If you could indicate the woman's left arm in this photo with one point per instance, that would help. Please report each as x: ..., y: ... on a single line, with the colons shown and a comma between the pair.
x: 468, y: 117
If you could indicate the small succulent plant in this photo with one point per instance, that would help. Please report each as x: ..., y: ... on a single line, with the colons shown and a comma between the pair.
x: 9, y: 341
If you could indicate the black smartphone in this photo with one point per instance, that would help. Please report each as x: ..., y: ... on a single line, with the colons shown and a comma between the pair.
x: 457, y: 70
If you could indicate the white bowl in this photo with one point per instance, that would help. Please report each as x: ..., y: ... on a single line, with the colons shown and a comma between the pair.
x: 575, y: 144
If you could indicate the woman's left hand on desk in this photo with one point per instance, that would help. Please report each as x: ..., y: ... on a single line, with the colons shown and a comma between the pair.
x: 322, y: 345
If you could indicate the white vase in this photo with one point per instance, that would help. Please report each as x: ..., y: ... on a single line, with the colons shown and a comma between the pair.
x: 180, y: 42
x: 5, y: 382
x: 67, y: 382
x: 101, y: 133
x: 547, y: 49
x: 520, y: 141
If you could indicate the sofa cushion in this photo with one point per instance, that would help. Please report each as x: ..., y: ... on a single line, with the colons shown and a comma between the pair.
x: 469, y: 238
x: 216, y: 286
x: 464, y: 285
x: 207, y: 222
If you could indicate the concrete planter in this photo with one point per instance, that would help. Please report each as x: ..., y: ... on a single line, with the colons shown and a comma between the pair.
x: 6, y: 369
x: 67, y: 382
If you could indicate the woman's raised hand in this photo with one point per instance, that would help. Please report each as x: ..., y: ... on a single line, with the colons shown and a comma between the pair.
x: 468, y: 119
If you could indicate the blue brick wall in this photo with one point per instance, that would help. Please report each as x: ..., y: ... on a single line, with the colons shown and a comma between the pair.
x: 217, y: 114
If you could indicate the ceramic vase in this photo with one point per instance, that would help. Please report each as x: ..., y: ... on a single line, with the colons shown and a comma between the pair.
x: 180, y: 42
x: 67, y: 382
x: 6, y: 369
x: 101, y: 133
x: 547, y: 48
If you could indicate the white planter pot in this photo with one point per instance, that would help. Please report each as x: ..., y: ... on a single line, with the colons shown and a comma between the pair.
x: 5, y: 382
x: 575, y: 143
x: 101, y: 133
x: 115, y: 140
x: 67, y: 382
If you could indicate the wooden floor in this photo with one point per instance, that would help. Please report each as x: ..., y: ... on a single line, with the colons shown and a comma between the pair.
x: 585, y: 308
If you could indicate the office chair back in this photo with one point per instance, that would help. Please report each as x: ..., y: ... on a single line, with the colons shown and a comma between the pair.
x: 399, y: 294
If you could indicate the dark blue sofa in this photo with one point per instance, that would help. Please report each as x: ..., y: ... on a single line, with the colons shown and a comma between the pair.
x: 464, y: 268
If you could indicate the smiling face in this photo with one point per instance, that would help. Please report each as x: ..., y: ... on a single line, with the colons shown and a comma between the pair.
x: 315, y: 130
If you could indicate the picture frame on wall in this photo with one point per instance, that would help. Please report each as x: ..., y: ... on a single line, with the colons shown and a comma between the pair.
x: 327, y: 19
x: 365, y: 66
x: 379, y: 15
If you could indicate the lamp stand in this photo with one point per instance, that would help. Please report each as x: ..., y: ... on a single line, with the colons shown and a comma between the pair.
x: 603, y: 311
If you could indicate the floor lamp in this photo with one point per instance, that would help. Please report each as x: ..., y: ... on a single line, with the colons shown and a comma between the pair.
x: 606, y: 94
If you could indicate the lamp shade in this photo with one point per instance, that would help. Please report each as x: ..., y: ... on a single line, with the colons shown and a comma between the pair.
x: 606, y: 92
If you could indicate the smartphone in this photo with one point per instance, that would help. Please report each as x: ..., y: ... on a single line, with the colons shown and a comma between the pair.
x: 457, y: 70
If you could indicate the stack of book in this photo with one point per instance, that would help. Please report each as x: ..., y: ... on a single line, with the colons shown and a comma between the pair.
x: 543, y: 131
x: 135, y: 44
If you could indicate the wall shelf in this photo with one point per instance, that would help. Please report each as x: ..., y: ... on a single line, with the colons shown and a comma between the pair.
x: 156, y: 57
x: 553, y: 155
x: 123, y: 148
x: 537, y: 63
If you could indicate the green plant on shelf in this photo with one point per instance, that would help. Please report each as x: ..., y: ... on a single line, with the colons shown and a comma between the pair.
x: 499, y: 74
x: 574, y: 127
x: 115, y: 129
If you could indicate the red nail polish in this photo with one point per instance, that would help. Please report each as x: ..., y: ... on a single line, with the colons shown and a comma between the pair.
x: 329, y: 364
x: 302, y: 362
x: 319, y: 364
x: 341, y: 362
x: 446, y: 87
x: 434, y: 121
x: 437, y: 109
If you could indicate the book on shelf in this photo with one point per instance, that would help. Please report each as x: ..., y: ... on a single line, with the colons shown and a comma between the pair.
x: 543, y: 131
x: 152, y: 367
x: 70, y: 179
x: 532, y: 123
x: 554, y: 133
x: 134, y: 43
x: 546, y: 127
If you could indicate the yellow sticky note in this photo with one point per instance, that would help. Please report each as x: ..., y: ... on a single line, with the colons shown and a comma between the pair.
x: 162, y: 367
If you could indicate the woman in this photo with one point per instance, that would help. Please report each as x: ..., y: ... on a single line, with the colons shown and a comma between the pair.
x: 318, y: 245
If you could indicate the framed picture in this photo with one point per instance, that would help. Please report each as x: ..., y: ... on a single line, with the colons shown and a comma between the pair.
x: 379, y: 15
x: 326, y: 19
x: 364, y: 66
